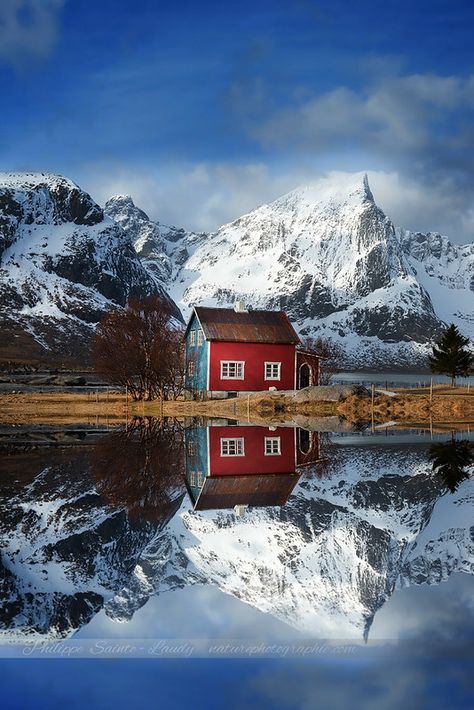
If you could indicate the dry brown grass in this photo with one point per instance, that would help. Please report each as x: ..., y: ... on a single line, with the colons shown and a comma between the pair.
x: 450, y: 406
x: 446, y: 405
x: 62, y: 408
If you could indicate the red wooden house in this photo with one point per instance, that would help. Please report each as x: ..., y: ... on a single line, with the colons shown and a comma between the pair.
x: 236, y: 350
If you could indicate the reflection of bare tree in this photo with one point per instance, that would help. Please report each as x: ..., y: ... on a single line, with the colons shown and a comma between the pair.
x: 142, y: 468
x: 450, y: 460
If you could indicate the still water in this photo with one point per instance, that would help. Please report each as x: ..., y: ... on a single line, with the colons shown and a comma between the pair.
x: 172, y: 540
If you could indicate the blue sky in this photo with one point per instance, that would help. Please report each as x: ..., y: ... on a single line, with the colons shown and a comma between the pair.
x: 203, y: 110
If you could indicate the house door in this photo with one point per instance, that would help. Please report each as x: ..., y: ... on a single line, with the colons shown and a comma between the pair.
x: 305, y: 376
x: 304, y: 441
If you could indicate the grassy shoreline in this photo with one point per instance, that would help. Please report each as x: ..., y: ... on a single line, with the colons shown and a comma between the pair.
x: 445, y: 406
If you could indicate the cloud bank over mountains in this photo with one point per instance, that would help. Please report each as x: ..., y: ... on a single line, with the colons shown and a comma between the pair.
x: 203, y: 196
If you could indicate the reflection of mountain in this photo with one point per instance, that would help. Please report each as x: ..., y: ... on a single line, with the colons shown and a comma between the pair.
x: 64, y: 548
x: 323, y: 563
x: 331, y: 557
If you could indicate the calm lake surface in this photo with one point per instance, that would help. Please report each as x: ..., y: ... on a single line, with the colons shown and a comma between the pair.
x: 316, y: 552
x: 395, y: 379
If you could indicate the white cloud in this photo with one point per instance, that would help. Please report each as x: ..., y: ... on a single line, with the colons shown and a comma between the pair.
x: 201, y: 197
x: 396, y: 114
x: 28, y: 29
x: 204, y: 196
x: 420, y: 206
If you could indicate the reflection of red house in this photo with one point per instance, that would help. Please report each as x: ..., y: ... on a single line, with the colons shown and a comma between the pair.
x: 245, y: 465
x: 239, y: 350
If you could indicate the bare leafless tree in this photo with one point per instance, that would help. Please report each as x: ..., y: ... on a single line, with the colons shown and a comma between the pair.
x: 141, y: 348
x: 333, y: 356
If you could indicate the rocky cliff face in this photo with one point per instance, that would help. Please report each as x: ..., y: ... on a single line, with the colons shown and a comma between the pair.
x: 163, y: 250
x: 62, y: 264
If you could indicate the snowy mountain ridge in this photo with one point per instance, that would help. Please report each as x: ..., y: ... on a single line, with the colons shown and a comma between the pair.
x: 325, y: 253
x: 329, y: 256
x: 62, y: 264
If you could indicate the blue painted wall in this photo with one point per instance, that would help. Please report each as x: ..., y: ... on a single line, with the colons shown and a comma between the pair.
x: 198, y: 353
x: 195, y: 440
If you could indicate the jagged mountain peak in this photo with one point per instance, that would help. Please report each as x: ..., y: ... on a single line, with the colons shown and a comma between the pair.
x: 328, y: 255
x: 338, y: 189
x: 44, y: 198
x: 123, y: 210
x: 17, y: 179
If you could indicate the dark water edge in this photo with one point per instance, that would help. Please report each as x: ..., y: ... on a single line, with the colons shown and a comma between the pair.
x: 396, y: 379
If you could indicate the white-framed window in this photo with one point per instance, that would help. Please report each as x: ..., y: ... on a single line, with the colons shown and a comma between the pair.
x: 200, y: 337
x: 192, y: 337
x: 272, y: 446
x: 191, y: 368
x: 232, y: 447
x: 273, y: 370
x: 232, y: 370
x: 191, y: 448
x: 196, y: 479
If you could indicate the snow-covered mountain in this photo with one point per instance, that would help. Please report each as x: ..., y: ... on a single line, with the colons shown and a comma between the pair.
x: 162, y: 249
x: 62, y: 263
x: 329, y: 256
x: 326, y: 253
x: 446, y: 271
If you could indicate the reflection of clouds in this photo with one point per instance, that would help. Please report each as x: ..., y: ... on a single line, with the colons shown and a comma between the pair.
x: 443, y: 611
x: 210, y: 614
x: 431, y: 667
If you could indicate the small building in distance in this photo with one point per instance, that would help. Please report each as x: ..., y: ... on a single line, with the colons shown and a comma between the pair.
x: 235, y: 350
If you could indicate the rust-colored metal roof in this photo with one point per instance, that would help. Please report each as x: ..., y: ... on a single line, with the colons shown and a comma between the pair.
x: 255, y: 489
x: 246, y: 327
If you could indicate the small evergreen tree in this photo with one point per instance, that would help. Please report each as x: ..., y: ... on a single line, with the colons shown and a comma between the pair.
x: 450, y: 356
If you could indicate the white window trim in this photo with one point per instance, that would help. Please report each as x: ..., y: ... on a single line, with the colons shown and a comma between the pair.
x: 196, y: 479
x: 272, y: 439
x: 191, y: 368
x: 270, y: 377
x: 200, y: 337
x: 192, y: 337
x: 233, y: 362
x: 227, y: 440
